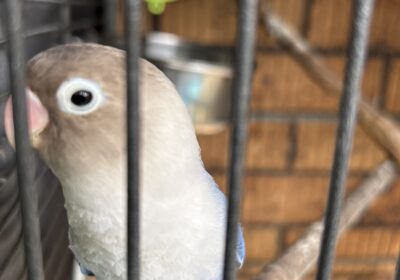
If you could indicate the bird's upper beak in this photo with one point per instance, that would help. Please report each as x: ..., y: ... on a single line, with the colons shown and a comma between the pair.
x: 38, y: 118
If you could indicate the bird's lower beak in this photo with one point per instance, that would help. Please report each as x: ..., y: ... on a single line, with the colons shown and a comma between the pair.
x: 38, y: 118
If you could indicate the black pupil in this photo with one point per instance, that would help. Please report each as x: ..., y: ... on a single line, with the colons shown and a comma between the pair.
x: 81, y: 98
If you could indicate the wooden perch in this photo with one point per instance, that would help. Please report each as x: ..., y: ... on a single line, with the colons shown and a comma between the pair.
x: 300, y: 257
x: 380, y: 127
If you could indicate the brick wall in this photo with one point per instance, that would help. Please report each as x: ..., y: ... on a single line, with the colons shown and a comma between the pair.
x: 292, y: 130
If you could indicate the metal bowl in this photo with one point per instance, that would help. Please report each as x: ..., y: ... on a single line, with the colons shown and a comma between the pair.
x: 202, y: 76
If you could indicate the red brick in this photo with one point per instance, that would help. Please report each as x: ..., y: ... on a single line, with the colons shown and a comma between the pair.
x: 315, y: 145
x: 385, y: 25
x: 330, y: 23
x: 280, y: 84
x: 300, y: 199
x: 285, y: 200
x: 201, y: 21
x: 370, y: 242
x: 214, y: 149
x: 261, y: 243
x: 393, y: 90
x: 315, y: 148
x: 267, y: 146
x: 366, y: 268
x: 250, y: 269
x: 355, y: 269
x: 206, y: 21
x: 343, y: 270
x: 220, y: 179
x: 386, y: 209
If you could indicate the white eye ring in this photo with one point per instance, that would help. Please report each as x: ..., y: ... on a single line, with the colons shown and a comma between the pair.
x: 71, y: 86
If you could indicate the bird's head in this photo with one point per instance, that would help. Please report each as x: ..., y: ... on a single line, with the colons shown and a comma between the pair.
x: 74, y: 95
x: 76, y: 109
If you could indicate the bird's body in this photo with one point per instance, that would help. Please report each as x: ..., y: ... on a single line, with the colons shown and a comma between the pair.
x: 182, y: 210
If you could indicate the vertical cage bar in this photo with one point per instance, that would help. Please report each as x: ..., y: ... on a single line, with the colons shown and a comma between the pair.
x: 28, y: 197
x: 397, y: 272
x: 132, y: 41
x: 241, y: 94
x: 109, y: 19
x: 347, y: 119
x: 65, y: 21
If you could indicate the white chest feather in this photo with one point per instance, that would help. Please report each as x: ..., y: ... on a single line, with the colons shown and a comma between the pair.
x: 181, y: 233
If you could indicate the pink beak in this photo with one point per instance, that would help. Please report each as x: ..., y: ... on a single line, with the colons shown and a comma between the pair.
x: 38, y: 117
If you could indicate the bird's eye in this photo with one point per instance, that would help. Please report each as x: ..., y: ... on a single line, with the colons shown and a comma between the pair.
x: 79, y: 96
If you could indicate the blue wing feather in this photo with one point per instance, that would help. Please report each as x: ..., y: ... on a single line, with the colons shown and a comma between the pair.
x: 85, y: 271
x: 240, y: 248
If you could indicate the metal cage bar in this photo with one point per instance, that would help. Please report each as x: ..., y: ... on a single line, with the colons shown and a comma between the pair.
x: 347, y: 119
x: 397, y: 271
x: 28, y: 198
x: 65, y: 21
x: 132, y: 41
x: 241, y: 94
x: 109, y: 19
x: 52, y: 28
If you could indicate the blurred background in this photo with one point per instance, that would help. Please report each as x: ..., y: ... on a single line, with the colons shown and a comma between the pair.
x: 292, y: 129
x: 292, y: 122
